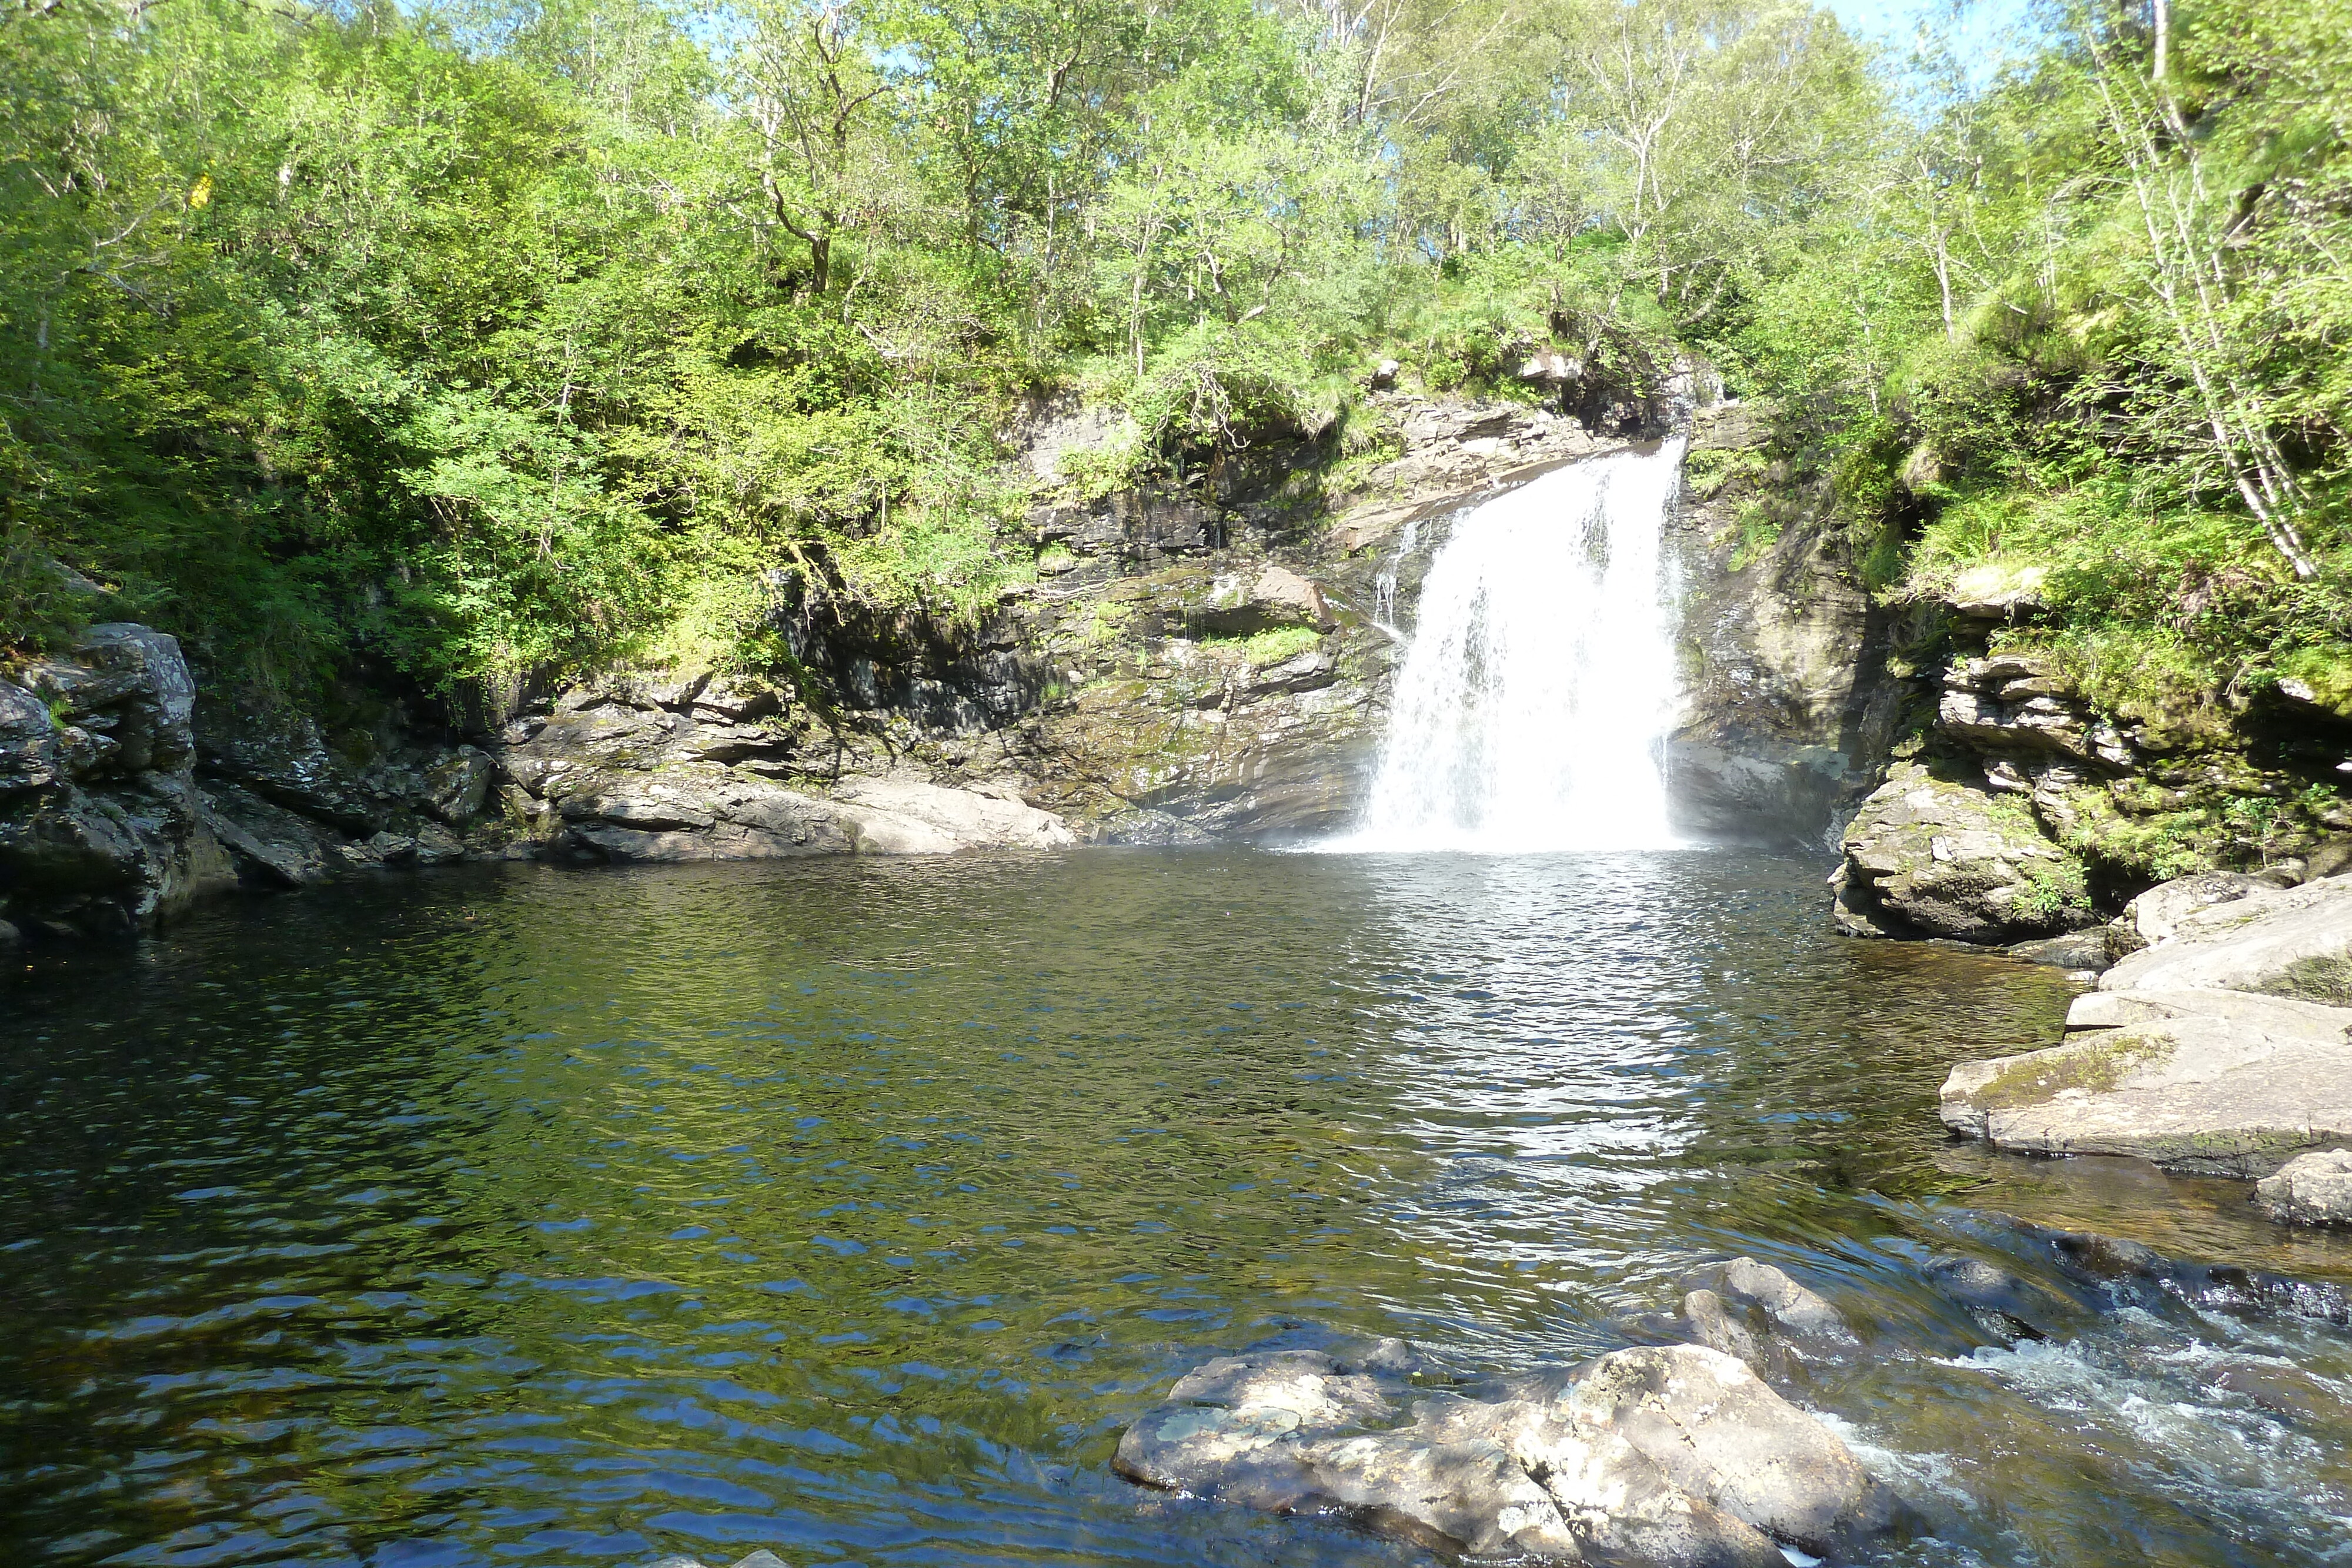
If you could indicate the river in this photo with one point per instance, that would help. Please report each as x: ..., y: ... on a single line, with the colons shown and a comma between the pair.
x: 522, y: 1215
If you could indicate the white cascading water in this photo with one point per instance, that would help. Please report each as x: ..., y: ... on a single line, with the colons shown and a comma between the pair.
x: 1533, y: 706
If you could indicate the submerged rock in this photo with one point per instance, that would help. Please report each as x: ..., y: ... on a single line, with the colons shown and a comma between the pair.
x: 1675, y: 1455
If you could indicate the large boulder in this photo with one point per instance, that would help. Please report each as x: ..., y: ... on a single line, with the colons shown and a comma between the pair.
x: 102, y: 831
x: 1937, y: 856
x: 1721, y: 1435
x: 2310, y: 1189
x: 2225, y: 1047
x: 1677, y: 1456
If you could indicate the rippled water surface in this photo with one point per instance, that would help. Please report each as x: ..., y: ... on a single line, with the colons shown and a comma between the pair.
x: 851, y: 1209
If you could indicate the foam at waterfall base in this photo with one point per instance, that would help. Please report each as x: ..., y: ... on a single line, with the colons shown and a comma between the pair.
x: 1531, y: 712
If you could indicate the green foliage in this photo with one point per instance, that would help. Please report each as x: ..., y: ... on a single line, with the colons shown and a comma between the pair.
x: 519, y: 337
x: 1278, y: 644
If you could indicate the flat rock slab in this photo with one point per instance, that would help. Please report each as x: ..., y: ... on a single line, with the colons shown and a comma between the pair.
x: 2225, y: 1048
x: 2283, y: 942
x: 2221, y: 1082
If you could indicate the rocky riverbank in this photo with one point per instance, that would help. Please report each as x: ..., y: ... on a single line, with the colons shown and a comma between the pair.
x: 1209, y: 660
x: 1193, y: 663
x: 2221, y: 1046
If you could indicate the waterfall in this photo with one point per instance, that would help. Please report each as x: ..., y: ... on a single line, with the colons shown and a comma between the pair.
x: 1538, y: 689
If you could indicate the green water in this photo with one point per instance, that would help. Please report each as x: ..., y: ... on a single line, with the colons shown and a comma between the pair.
x: 851, y: 1209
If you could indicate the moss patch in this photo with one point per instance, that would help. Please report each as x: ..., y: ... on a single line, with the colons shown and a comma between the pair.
x: 2096, y: 1067
x: 2323, y: 977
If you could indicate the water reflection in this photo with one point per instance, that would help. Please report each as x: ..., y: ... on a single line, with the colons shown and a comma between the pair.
x: 851, y: 1209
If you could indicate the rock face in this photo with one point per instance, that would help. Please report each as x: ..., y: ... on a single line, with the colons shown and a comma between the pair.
x: 2310, y: 1189
x: 1229, y: 678
x: 2225, y: 1047
x: 2088, y: 809
x: 102, y: 829
x: 1675, y: 1455
x: 1932, y: 856
x: 1788, y: 708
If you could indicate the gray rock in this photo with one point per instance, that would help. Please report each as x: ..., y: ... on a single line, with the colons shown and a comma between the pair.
x: 269, y: 845
x: 2088, y: 951
x: 2225, y: 1048
x: 2223, y: 1082
x: 393, y: 849
x: 908, y: 815
x: 436, y: 845
x: 1933, y: 856
x: 9, y: 935
x: 1236, y: 1429
x: 2156, y: 913
x: 281, y: 754
x: 1805, y: 1321
x: 1678, y: 1457
x: 1982, y: 1288
x: 1787, y: 709
x: 1461, y: 1498
x: 459, y: 785
x: 1704, y: 1319
x: 30, y: 754
x: 2286, y: 941
x: 102, y: 831
x: 1722, y: 1435
x: 2310, y: 1189
x: 1617, y: 1503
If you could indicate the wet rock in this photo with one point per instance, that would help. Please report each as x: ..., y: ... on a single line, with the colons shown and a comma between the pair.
x: 2025, y: 1308
x: 1676, y: 1456
x: 2089, y: 950
x: 1388, y: 1357
x: 1935, y: 856
x: 2310, y: 1189
x: 1705, y: 1319
x: 1151, y: 827
x: 1787, y: 705
x: 1803, y: 1319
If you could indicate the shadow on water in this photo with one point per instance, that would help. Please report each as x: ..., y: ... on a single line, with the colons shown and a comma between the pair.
x: 850, y: 1209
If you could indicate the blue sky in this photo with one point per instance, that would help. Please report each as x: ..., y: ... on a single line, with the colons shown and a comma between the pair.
x: 1980, y: 24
